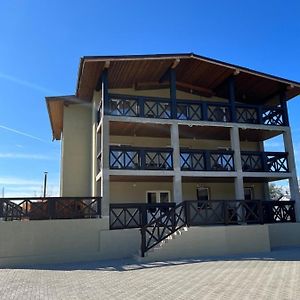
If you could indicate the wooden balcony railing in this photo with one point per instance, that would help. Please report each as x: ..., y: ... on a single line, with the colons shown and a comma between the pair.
x: 136, y: 158
x: 214, y: 212
x: 264, y: 161
x: 141, y: 158
x: 49, y: 208
x: 206, y: 160
x: 135, y: 215
x: 161, y: 108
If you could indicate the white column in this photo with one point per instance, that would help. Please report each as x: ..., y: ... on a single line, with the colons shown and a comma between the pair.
x: 293, y: 180
x: 105, y: 186
x: 94, y: 149
x: 177, y: 182
x: 235, y: 146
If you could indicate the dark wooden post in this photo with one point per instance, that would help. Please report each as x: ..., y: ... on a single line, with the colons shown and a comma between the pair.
x: 231, y: 98
x: 51, y: 208
x: 1, y: 209
x: 99, y: 207
x: 173, y: 93
x: 283, y: 103
x: 105, y: 99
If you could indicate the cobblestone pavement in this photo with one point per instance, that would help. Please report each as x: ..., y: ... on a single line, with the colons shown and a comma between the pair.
x: 262, y: 276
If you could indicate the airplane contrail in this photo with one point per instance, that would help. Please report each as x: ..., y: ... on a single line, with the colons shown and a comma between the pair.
x: 26, y: 83
x: 23, y: 133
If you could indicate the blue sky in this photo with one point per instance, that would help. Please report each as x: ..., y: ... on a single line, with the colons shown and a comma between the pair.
x: 42, y: 41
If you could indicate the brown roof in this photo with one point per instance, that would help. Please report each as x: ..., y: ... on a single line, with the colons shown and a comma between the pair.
x: 204, y: 75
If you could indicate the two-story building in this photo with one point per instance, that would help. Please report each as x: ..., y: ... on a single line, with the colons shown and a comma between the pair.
x: 154, y: 135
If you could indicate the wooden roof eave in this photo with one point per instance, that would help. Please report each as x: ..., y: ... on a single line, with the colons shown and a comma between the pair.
x: 236, y: 70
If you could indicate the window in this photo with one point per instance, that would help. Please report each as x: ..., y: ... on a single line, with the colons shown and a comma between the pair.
x: 158, y: 197
x: 249, y: 193
x: 203, y: 196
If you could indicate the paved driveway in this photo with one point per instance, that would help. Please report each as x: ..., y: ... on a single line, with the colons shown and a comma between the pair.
x: 261, y: 276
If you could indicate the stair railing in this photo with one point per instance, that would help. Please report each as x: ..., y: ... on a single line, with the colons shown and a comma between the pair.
x: 162, y: 227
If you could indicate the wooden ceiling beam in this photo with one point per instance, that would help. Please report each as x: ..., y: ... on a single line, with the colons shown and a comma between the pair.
x: 201, y: 90
x: 151, y: 85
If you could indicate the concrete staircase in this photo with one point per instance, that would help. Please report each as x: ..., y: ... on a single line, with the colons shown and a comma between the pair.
x: 209, y: 241
x: 161, y: 250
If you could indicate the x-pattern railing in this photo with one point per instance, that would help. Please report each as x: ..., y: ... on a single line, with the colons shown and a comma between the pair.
x: 221, y: 161
x: 157, y: 107
x: 189, y: 111
x: 139, y: 158
x: 264, y: 161
x: 158, y: 160
x: 273, y: 116
x: 136, y: 215
x: 192, y: 161
x: 214, y: 212
x: 124, y: 106
x: 279, y: 211
x: 247, y: 114
x: 218, y: 113
x: 121, y: 158
x: 160, y: 109
x: 49, y: 208
x: 206, y: 160
x: 277, y: 162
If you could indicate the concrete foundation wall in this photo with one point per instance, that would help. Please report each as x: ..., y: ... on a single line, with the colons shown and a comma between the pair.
x: 214, y: 241
x: 76, y: 151
x: 284, y: 234
x: 64, y: 241
x: 61, y: 241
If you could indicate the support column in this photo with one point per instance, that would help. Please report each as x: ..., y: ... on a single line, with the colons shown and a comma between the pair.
x: 231, y: 93
x: 177, y: 181
x: 293, y: 180
x: 104, y: 90
x: 94, y: 149
x: 105, y: 186
x: 235, y: 146
x: 283, y: 103
x: 173, y: 93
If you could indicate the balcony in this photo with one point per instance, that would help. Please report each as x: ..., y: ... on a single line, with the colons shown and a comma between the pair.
x: 135, y: 158
x: 264, y: 161
x: 206, y: 160
x: 161, y: 108
x: 140, y: 158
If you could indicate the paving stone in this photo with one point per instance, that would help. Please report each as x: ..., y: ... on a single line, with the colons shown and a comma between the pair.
x: 275, y: 275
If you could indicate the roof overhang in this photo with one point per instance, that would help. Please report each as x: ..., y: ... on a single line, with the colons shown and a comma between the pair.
x: 191, y: 71
x: 203, y: 75
x: 55, y: 107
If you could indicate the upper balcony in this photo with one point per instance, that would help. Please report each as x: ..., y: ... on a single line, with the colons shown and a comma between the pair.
x: 193, y: 110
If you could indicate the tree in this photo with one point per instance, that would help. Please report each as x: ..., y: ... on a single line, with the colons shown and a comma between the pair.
x: 277, y: 192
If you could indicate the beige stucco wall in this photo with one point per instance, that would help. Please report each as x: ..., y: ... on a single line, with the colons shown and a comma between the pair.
x: 284, y: 234
x: 184, y: 143
x: 214, y: 241
x: 56, y: 241
x: 31, y: 242
x: 131, y: 192
x: 76, y: 151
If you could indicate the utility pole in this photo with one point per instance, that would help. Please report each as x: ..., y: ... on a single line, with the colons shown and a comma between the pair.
x: 3, y: 192
x: 45, y: 183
